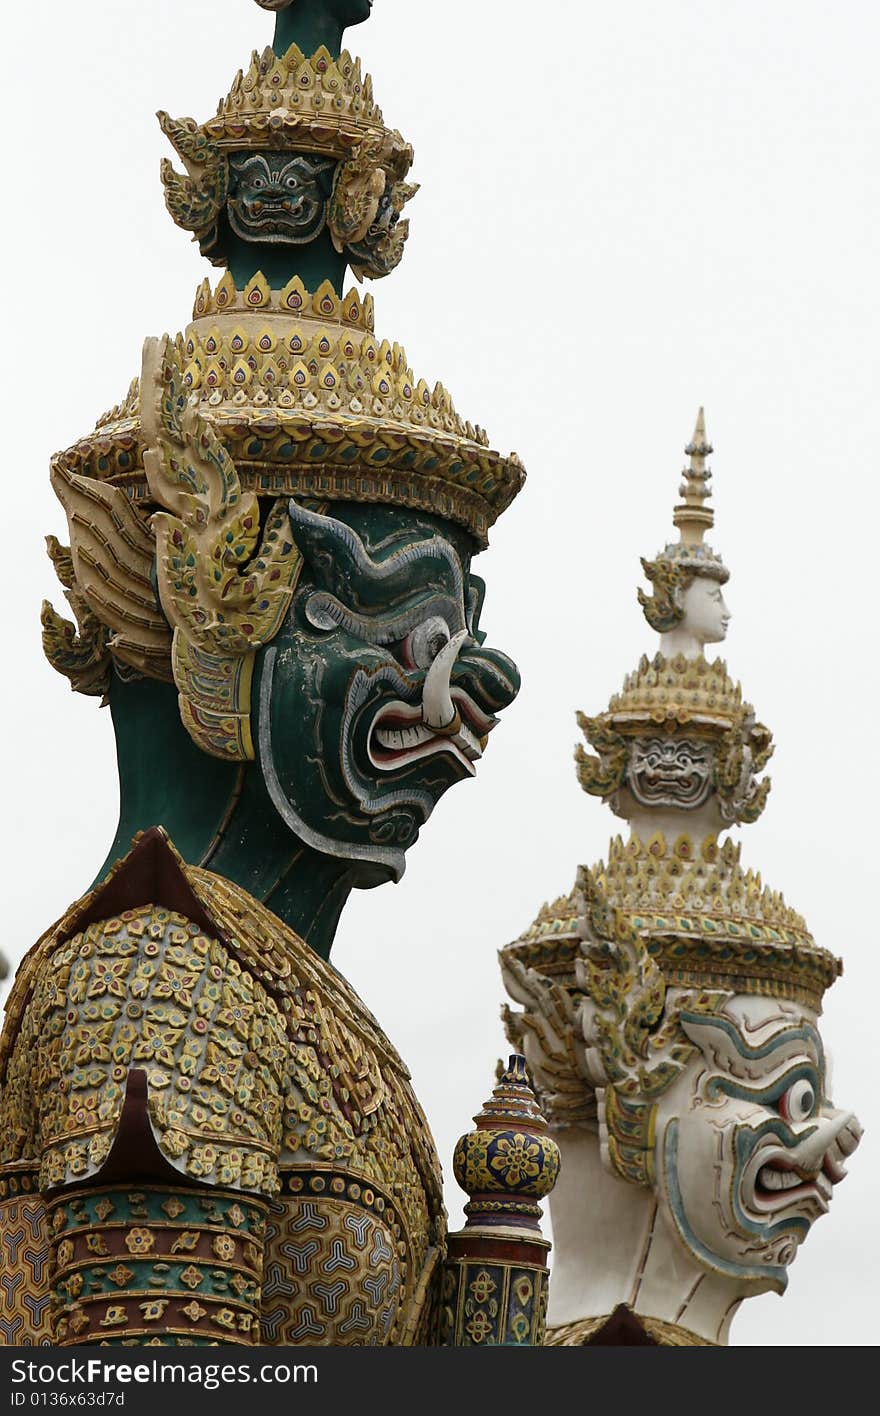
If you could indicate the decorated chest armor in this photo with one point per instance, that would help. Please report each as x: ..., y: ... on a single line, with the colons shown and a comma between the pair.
x: 206, y: 1137
x: 228, y: 1151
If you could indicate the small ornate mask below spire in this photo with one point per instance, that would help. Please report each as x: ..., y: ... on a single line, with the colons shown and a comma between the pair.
x: 296, y: 174
x: 686, y: 606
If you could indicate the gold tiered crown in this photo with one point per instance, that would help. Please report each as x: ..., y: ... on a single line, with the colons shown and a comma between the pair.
x: 689, y: 692
x: 706, y: 922
x: 307, y: 104
x: 309, y: 402
x: 672, y: 698
x: 313, y: 102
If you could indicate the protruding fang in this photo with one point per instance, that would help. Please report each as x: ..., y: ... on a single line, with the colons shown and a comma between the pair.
x: 438, y: 710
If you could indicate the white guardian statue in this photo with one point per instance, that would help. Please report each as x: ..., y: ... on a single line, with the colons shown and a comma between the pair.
x: 668, y: 1007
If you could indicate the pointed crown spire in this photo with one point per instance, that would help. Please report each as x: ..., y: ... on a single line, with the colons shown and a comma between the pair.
x: 680, y: 562
x: 693, y: 517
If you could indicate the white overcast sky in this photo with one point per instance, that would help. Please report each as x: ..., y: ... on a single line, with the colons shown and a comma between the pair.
x: 628, y: 209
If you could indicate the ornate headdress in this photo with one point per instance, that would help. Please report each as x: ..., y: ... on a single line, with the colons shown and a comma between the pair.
x: 667, y: 912
x: 310, y: 402
x: 274, y: 390
x: 622, y: 1044
x: 694, y: 707
x: 600, y: 1027
x: 680, y: 731
x: 316, y: 106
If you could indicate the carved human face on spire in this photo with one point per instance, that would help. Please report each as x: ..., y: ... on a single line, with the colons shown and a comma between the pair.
x: 749, y: 1148
x: 686, y: 605
x: 705, y: 616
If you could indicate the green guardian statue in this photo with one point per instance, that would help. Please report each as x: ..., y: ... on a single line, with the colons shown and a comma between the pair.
x: 206, y: 1137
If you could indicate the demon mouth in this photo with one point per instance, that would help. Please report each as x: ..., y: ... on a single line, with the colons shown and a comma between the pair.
x: 400, y: 736
x: 779, y: 1184
x: 800, y: 1180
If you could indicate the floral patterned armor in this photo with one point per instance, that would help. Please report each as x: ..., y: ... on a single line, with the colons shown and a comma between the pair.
x: 210, y: 1137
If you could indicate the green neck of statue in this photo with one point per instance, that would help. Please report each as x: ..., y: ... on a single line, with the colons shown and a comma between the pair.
x: 308, y: 25
x: 314, y: 263
x: 217, y: 814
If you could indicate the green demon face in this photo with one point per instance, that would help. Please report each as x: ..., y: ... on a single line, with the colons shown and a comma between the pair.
x: 379, y: 693
x: 278, y: 199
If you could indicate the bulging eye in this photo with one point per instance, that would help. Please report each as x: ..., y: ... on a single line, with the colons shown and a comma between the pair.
x: 426, y: 641
x: 799, y: 1102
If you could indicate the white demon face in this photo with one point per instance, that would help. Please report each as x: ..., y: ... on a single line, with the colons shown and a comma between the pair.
x: 748, y: 1146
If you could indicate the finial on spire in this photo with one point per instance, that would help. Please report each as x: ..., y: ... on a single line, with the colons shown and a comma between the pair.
x: 692, y: 516
x: 510, y: 1160
x: 680, y: 562
x: 495, y: 1280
